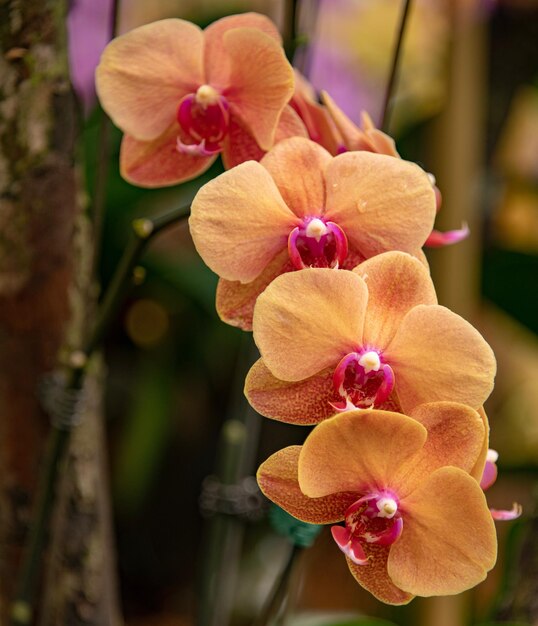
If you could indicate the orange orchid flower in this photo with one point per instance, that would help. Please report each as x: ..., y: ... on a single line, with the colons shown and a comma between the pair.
x: 348, y: 136
x: 182, y: 95
x: 415, y: 521
x: 300, y: 207
x: 372, y: 337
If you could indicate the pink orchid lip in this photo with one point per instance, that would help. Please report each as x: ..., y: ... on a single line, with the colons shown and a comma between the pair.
x: 372, y: 519
x: 317, y: 243
x: 362, y: 380
x: 204, y: 120
x: 501, y: 515
x: 438, y: 239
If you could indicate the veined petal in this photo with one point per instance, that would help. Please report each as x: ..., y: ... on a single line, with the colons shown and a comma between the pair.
x: 380, y: 202
x: 235, y: 301
x: 437, y: 355
x: 308, y: 320
x: 297, y: 166
x: 358, y: 450
x: 449, y: 542
x: 316, y: 118
x: 158, y: 163
x: 456, y: 436
x: 215, y: 55
x: 240, y: 145
x: 304, y: 402
x: 239, y: 222
x: 374, y: 576
x: 396, y: 283
x: 277, y: 478
x: 144, y: 74
x: 351, y: 135
x: 478, y: 469
x: 261, y: 81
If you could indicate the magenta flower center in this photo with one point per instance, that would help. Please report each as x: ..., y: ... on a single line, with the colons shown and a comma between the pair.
x: 317, y: 243
x: 362, y: 380
x: 204, y: 120
x: 373, y: 519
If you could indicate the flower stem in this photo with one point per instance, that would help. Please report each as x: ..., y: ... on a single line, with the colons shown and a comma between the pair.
x: 385, y: 116
x: 143, y: 231
x: 279, y: 591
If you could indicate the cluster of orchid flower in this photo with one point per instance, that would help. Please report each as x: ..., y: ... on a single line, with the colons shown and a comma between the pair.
x: 316, y: 232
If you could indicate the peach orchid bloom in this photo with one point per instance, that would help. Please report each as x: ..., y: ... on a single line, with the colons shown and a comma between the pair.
x: 368, y: 137
x: 182, y: 95
x: 415, y: 521
x: 299, y: 208
x: 371, y: 337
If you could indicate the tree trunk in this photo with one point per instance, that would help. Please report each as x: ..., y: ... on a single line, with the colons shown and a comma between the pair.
x: 44, y: 282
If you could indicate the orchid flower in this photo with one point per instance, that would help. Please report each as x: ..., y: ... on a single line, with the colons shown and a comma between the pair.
x: 299, y: 208
x: 489, y: 476
x: 371, y: 337
x: 368, y: 137
x: 415, y: 521
x: 182, y: 95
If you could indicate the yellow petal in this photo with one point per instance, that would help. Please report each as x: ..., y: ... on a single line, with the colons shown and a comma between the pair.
x: 374, y: 576
x: 456, y: 436
x: 235, y: 301
x: 260, y: 83
x: 396, y: 283
x: 277, y: 478
x: 308, y: 320
x: 358, y: 451
x: 297, y: 166
x: 380, y: 202
x: 437, y: 355
x: 239, y: 222
x: 478, y: 468
x: 304, y: 402
x: 215, y: 55
x: 448, y: 543
x: 144, y: 74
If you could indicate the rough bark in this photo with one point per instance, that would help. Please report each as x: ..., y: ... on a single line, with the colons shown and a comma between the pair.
x: 44, y: 246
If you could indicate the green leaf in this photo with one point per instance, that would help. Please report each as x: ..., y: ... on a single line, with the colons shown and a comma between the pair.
x: 337, y: 620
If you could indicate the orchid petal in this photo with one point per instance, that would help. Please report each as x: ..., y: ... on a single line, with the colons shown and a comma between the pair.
x: 438, y: 239
x: 144, y: 74
x: 350, y: 133
x: 449, y: 542
x: 297, y: 166
x: 235, y: 301
x: 350, y: 546
x: 396, y: 283
x: 374, y: 577
x: 506, y: 516
x: 240, y: 146
x: 380, y: 202
x: 277, y: 478
x: 158, y: 163
x: 316, y: 118
x: 236, y: 232
x: 358, y: 450
x: 437, y: 355
x: 478, y: 469
x: 308, y: 320
x: 456, y: 435
x: 215, y: 55
x: 489, y: 475
x: 261, y: 81
x: 305, y: 402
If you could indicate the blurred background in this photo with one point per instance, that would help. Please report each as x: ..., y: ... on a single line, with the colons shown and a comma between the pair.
x: 466, y: 109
